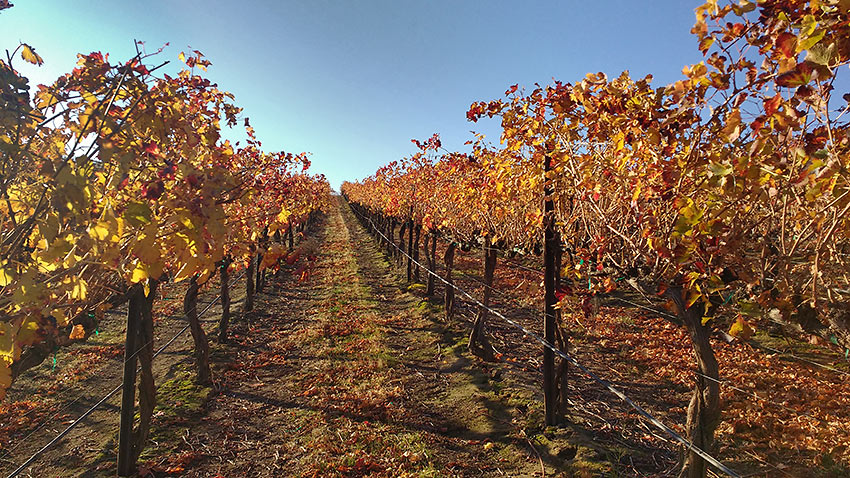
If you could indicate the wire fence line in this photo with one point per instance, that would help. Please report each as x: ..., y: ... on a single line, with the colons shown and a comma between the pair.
x: 66, y: 394
x: 101, y: 370
x: 103, y: 400
x: 673, y: 317
x: 512, y: 301
x: 664, y: 314
x: 615, y: 391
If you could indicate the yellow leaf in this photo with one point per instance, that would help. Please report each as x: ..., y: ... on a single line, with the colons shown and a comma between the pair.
x: 61, y: 320
x: 138, y: 214
x: 636, y: 195
x: 741, y: 329
x: 80, y: 289
x: 5, y: 278
x: 28, y: 333
x: 7, y: 342
x: 146, y: 249
x: 182, y: 57
x: 100, y: 231
x: 191, y: 266
x: 283, y: 216
x: 140, y: 273
x: 28, y: 54
x: 693, y: 296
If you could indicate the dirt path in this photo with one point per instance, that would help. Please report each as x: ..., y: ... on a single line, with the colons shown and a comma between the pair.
x: 346, y: 374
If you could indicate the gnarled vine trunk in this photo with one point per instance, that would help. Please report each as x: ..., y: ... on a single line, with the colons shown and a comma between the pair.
x: 248, y: 306
x: 479, y: 343
x: 704, y: 408
x: 202, y: 346
x: 147, y: 388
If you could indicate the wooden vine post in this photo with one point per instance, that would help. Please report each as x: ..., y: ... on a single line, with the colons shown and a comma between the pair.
x: 290, y: 237
x: 410, y: 246
x: 138, y: 347
x: 259, y: 281
x: 399, y: 253
x: 449, y: 260
x: 478, y: 340
x: 225, y: 299
x: 249, y: 288
x: 128, y: 393
x: 432, y: 262
x: 550, y: 245
x: 416, y: 273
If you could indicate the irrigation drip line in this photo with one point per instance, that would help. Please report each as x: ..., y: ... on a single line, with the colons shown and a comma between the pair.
x: 100, y: 402
x: 501, y: 294
x: 514, y: 264
x: 640, y: 410
x: 647, y: 308
x: 801, y: 359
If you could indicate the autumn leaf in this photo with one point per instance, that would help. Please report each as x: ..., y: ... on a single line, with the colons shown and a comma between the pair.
x: 786, y: 43
x: 28, y: 333
x: 77, y: 333
x: 28, y: 54
x: 799, y: 76
x: 5, y: 277
x: 137, y: 214
x: 741, y: 329
x: 80, y: 289
x: 140, y: 273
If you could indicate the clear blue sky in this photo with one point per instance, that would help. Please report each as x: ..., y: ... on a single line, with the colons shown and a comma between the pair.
x: 353, y: 81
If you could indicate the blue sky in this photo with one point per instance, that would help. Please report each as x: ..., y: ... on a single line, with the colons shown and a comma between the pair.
x: 353, y: 81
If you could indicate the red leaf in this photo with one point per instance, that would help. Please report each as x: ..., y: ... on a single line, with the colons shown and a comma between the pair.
x: 771, y: 105
x: 786, y: 43
x: 799, y: 76
x: 152, y: 148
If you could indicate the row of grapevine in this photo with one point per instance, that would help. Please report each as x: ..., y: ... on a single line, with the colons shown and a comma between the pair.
x: 727, y: 191
x: 116, y: 178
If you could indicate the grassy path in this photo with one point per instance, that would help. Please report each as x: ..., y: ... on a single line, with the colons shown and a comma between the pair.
x: 345, y: 374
